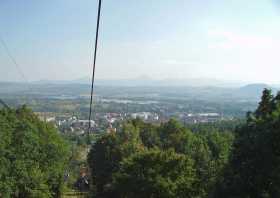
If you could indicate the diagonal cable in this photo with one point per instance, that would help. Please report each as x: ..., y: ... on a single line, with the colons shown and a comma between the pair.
x: 93, y: 68
x: 6, y: 48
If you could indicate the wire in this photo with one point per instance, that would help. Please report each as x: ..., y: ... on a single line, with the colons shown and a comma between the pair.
x: 4, y: 104
x: 5, y: 46
x: 93, y: 69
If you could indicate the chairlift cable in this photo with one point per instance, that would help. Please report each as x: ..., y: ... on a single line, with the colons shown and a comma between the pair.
x: 93, y: 69
x: 13, y: 60
x: 4, y: 104
x: 6, y: 48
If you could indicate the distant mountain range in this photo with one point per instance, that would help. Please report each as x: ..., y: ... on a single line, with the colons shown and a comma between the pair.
x: 207, y: 89
x: 146, y: 81
x: 253, y: 88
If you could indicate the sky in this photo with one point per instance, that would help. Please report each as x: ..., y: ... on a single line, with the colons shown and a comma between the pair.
x: 231, y: 40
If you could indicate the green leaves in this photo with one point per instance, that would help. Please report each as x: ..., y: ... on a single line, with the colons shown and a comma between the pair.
x: 155, y: 173
x: 145, y: 160
x: 254, y: 169
x: 33, y: 155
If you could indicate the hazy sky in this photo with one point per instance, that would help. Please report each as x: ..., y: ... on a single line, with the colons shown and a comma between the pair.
x: 223, y: 39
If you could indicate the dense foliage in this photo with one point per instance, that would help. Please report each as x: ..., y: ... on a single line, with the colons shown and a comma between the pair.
x: 145, y: 160
x: 224, y: 159
x: 254, y: 169
x: 204, y: 161
x: 32, y: 156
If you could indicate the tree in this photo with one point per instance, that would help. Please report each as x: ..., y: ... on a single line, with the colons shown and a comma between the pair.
x: 254, y: 169
x: 106, y: 154
x: 103, y: 159
x: 155, y: 174
x: 33, y: 156
x: 149, y: 135
x: 265, y: 106
x: 135, y: 161
x: 173, y: 135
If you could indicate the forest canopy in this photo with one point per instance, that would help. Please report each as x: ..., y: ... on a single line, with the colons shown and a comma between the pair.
x: 169, y: 160
x: 33, y: 156
x: 201, y: 161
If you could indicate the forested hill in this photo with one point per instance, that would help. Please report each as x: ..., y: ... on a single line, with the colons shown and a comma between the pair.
x: 33, y: 156
x: 171, y: 161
